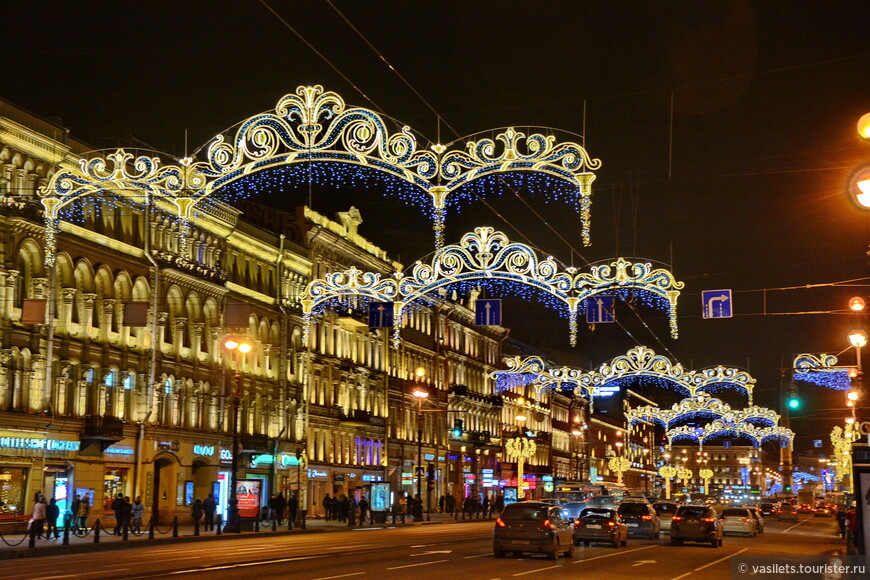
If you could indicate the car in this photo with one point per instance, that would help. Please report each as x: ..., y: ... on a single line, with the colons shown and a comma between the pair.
x: 665, y: 510
x: 600, y: 525
x: 533, y: 526
x: 572, y: 509
x: 696, y: 523
x: 805, y: 508
x: 759, y: 519
x: 640, y: 517
x: 822, y: 512
x: 738, y: 521
x: 766, y: 509
x: 786, y: 513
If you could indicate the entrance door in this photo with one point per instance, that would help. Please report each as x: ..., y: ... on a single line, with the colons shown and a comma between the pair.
x: 163, y: 502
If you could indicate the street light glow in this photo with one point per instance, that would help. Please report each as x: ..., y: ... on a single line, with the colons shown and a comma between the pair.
x: 858, y: 337
x: 857, y: 303
x: 864, y: 126
x: 852, y: 396
x: 421, y: 394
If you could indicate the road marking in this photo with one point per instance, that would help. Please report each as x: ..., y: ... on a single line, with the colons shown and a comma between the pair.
x: 420, y: 564
x: 347, y: 546
x: 707, y: 565
x: 619, y: 553
x: 796, y: 525
x: 430, y: 552
x: 538, y: 570
x: 228, y: 566
x: 340, y: 576
x: 477, y: 556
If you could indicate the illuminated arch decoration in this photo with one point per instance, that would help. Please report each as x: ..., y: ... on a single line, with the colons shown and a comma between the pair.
x: 486, y: 257
x: 533, y: 371
x: 312, y: 135
x: 703, y: 406
x: 821, y: 370
x: 642, y: 364
x: 722, y: 428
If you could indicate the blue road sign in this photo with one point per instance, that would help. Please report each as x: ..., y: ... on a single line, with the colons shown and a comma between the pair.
x: 726, y: 444
x: 380, y: 315
x: 599, y: 309
x: 487, y: 312
x: 716, y: 303
x: 817, y: 442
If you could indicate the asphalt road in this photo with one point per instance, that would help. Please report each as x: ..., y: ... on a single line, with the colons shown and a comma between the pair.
x: 457, y: 550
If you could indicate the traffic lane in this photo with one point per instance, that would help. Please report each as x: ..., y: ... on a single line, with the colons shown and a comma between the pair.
x: 167, y: 557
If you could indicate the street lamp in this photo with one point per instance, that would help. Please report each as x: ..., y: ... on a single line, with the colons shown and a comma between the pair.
x: 420, y: 393
x: 239, y: 346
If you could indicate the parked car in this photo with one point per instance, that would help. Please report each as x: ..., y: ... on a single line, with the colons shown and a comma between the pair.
x: 767, y: 509
x: 759, y: 519
x: 696, y: 523
x: 640, y: 518
x: 665, y: 510
x: 600, y: 525
x: 533, y: 526
x: 786, y: 513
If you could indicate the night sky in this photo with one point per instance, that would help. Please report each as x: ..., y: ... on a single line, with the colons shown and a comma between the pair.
x: 742, y: 187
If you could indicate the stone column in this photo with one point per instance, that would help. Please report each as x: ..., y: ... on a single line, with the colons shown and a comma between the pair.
x: 8, y: 302
x: 106, y: 321
x: 198, y: 328
x: 66, y: 306
x: 39, y: 287
x: 87, y: 323
x: 178, y: 334
x: 162, y: 317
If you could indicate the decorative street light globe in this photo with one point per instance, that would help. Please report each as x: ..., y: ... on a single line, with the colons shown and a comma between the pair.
x: 857, y: 303
x: 858, y: 337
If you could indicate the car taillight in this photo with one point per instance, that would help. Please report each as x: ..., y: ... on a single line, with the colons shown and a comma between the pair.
x: 677, y: 518
x: 747, y: 519
x: 646, y: 517
x: 547, y: 525
x: 576, y: 523
x: 711, y: 520
x: 611, y: 524
x: 500, y: 523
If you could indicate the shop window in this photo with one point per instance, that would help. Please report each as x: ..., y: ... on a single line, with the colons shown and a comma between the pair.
x: 114, y: 482
x: 13, y: 481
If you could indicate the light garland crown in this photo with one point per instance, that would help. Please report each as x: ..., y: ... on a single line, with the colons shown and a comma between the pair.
x: 821, y: 370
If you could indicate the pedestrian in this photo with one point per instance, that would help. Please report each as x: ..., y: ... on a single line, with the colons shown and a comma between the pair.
x: 450, y: 502
x: 487, y: 506
x: 363, y: 509
x: 403, y: 506
x: 73, y: 515
x: 441, y: 503
x: 342, y: 508
x: 82, y: 513
x: 292, y: 509
x: 196, y: 511
x: 37, y: 518
x: 209, y: 506
x: 280, y: 506
x: 127, y: 514
x: 51, y: 515
x: 118, y: 507
x: 137, y: 510
x: 326, y: 511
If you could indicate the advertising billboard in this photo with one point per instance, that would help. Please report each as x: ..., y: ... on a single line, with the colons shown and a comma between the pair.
x: 248, y: 495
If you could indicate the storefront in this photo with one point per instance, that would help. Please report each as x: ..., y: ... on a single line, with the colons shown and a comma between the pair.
x: 32, y: 463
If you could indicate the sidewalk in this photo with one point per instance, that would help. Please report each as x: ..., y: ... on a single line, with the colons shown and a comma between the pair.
x: 186, y: 533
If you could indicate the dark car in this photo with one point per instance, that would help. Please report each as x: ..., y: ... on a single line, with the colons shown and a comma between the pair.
x: 640, y: 518
x: 766, y: 509
x: 600, y: 525
x: 533, y: 526
x: 696, y: 523
x: 786, y: 513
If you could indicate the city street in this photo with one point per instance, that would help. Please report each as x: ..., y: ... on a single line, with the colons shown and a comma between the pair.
x: 429, y: 551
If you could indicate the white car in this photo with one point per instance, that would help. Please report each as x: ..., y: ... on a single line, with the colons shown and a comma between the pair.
x: 738, y: 521
x: 665, y: 510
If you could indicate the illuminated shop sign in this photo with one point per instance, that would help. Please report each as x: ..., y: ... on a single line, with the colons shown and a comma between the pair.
x: 119, y: 451
x: 171, y: 446
x: 203, y: 450
x: 33, y: 443
x: 428, y: 456
x: 226, y: 455
x: 367, y: 477
x: 317, y: 473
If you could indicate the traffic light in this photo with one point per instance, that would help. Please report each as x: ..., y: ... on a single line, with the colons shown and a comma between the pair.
x: 794, y: 401
x: 430, y: 476
x: 456, y: 432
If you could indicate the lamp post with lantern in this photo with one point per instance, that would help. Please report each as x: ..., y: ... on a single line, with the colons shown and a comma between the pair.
x: 420, y: 394
x: 238, y: 346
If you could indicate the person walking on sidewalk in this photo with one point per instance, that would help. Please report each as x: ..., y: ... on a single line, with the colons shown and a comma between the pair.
x: 196, y: 511
x: 118, y: 508
x: 137, y: 510
x: 37, y: 518
x: 52, y: 512
x: 209, y: 506
x: 327, y: 511
x: 292, y: 509
x: 82, y: 513
x: 127, y: 514
x: 363, y: 509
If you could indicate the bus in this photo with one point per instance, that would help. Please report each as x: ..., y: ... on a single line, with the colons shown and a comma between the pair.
x: 574, y: 496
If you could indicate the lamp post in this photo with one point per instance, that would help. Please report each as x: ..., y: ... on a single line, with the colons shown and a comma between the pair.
x: 420, y: 393
x: 858, y: 339
x: 239, y: 346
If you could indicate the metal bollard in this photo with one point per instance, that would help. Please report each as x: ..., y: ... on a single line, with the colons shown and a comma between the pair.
x: 289, y: 522
x: 66, y: 536
x: 195, y: 527
x: 31, y: 543
x: 125, y: 531
x: 175, y: 527
x: 274, y: 525
x: 304, y: 515
x: 97, y: 532
x: 257, y: 524
x: 220, y: 524
x: 151, y: 528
